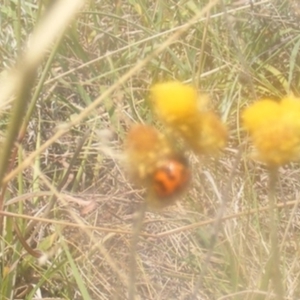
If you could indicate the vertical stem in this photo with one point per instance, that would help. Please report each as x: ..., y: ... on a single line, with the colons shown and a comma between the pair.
x: 217, y: 225
x: 137, y: 227
x: 275, y: 255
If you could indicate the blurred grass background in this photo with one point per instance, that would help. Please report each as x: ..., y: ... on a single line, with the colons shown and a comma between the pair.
x: 236, y: 53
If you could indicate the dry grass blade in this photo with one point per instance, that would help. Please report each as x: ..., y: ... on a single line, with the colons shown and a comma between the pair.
x: 20, y: 80
x: 51, y: 27
x: 17, y: 87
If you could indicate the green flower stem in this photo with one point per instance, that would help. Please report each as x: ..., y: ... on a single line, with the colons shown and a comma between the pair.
x: 275, y: 255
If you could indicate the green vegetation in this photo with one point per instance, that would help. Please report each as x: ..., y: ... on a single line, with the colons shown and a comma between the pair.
x: 73, y: 80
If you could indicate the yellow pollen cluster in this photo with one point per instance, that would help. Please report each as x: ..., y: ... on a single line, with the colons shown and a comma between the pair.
x: 178, y: 106
x: 274, y: 128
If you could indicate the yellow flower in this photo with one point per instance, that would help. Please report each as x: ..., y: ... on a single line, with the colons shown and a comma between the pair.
x: 177, y: 105
x: 174, y: 101
x: 274, y: 128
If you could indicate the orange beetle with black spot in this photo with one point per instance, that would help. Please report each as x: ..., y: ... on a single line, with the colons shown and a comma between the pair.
x: 170, y: 178
x: 153, y: 163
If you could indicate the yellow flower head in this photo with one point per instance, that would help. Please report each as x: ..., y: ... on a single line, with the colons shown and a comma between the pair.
x: 174, y: 101
x: 177, y: 105
x: 274, y: 128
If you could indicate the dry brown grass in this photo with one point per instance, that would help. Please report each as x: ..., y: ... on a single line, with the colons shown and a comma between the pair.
x: 66, y: 168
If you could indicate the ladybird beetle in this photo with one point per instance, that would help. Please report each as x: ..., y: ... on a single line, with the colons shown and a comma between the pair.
x: 170, y: 178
